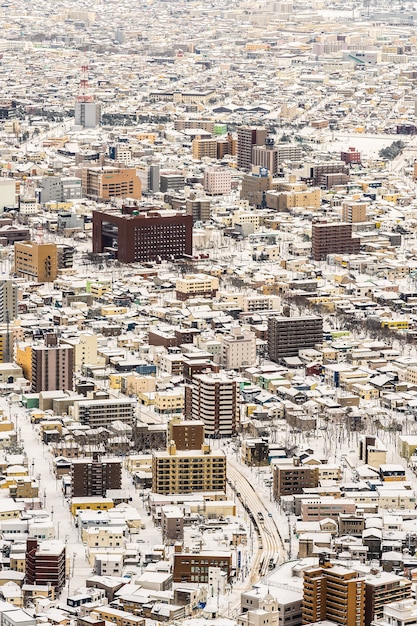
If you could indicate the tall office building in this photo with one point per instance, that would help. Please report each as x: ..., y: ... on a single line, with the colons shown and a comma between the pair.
x: 52, y: 366
x: 333, y: 593
x: 37, y: 262
x: 45, y: 563
x: 288, y: 335
x: 93, y: 477
x: 214, y: 399
x: 332, y: 238
x: 247, y: 137
x: 144, y: 237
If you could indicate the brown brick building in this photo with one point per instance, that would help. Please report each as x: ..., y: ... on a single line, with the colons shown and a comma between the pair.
x: 292, y: 479
x: 288, y: 335
x: 45, y: 563
x: 91, y: 477
x: 332, y: 238
x: 187, y: 434
x: 194, y: 568
x: 333, y: 593
x: 142, y: 237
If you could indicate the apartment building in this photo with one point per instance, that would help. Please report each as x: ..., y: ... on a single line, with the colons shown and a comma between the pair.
x: 217, y: 181
x: 333, y: 593
x: 332, y: 238
x: 204, y: 147
x: 294, y: 478
x: 214, y: 399
x: 52, y: 366
x: 92, y: 477
x: 37, y: 262
x: 149, y: 237
x: 403, y: 613
x: 187, y: 434
x: 270, y: 156
x: 199, y: 209
x: 188, y: 471
x: 382, y: 588
x: 192, y: 285
x: 288, y: 335
x: 354, y: 212
x: 45, y: 563
x: 238, y: 349
x: 100, y: 412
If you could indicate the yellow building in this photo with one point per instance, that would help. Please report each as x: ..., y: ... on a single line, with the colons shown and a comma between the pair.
x: 111, y: 311
x: 115, y: 381
x: 407, y: 445
x: 133, y: 384
x: 187, y: 471
x: 171, y: 401
x: 196, y: 285
x: 97, y: 290
x: 400, y: 324
x: 85, y: 350
x: 95, y: 503
x: 37, y: 262
x: 23, y: 487
x: 139, y: 463
x: 146, y: 137
x: 102, y: 537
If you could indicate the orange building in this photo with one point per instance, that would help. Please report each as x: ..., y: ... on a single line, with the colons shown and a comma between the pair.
x: 111, y: 182
x: 36, y: 261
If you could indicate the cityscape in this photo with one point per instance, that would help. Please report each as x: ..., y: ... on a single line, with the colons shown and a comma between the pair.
x: 208, y: 313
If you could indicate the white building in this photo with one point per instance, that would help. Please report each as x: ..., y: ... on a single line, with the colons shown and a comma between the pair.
x: 217, y: 181
x: 238, y: 349
x: 402, y: 613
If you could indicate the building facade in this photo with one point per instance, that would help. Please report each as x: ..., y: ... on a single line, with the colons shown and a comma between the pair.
x: 37, y: 262
x: 45, y: 563
x: 52, y: 366
x: 332, y: 238
x: 247, y: 137
x: 333, y: 593
x: 111, y: 182
x: 143, y: 237
x: 188, y: 471
x: 288, y: 335
x: 214, y: 399
x: 93, y: 477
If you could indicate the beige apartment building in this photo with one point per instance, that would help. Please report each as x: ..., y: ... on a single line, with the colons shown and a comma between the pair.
x: 238, y: 349
x: 188, y: 471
